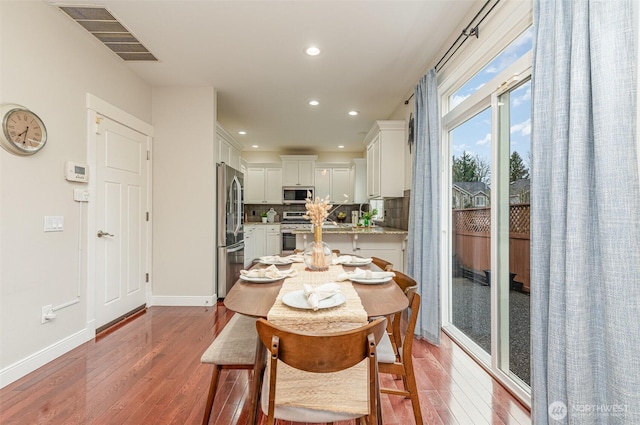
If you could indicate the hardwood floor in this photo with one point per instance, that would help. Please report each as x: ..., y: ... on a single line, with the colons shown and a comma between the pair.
x: 148, y: 371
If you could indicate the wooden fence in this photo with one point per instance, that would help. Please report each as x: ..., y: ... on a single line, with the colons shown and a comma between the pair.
x: 472, y: 241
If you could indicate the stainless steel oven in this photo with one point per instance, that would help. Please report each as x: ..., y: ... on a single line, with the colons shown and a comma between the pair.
x: 292, y: 220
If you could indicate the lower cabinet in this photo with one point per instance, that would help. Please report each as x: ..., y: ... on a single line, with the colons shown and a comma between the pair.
x: 261, y: 240
x: 388, y: 246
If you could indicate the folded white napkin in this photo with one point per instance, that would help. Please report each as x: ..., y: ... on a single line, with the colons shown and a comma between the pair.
x: 314, y: 295
x: 294, y: 258
x: 346, y: 259
x: 359, y: 273
x: 271, y: 272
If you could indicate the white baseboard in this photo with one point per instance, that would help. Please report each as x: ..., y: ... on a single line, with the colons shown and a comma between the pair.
x: 182, y: 301
x: 27, y: 365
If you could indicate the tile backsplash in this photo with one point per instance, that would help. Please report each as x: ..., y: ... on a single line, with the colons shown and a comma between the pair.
x: 396, y: 211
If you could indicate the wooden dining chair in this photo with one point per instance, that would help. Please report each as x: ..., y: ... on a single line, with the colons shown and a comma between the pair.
x: 394, y: 351
x: 233, y: 348
x: 383, y: 264
x: 319, y: 354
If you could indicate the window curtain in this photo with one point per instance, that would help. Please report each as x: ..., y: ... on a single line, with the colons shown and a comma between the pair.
x: 423, y: 262
x: 585, y: 251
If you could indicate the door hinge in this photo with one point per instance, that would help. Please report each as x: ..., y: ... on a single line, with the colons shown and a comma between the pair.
x: 147, y: 215
x: 148, y: 155
x: 147, y: 278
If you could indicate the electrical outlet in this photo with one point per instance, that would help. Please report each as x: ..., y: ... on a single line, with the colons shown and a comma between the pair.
x: 47, y: 313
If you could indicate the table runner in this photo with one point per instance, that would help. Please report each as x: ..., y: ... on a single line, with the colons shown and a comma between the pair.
x: 345, y: 391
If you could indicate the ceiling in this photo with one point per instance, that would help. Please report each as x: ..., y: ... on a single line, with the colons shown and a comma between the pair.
x: 252, y: 52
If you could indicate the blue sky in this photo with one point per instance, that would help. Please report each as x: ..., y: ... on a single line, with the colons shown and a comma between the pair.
x: 474, y: 135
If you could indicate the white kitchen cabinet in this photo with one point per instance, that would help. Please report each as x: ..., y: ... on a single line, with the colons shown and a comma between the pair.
x: 228, y: 149
x: 261, y: 240
x: 358, y: 180
x: 273, y: 245
x: 333, y: 180
x: 298, y: 170
x: 385, y: 159
x: 263, y: 185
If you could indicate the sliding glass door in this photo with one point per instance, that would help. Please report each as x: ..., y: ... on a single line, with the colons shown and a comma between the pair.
x: 487, y: 136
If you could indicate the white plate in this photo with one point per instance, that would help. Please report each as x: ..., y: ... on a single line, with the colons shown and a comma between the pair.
x: 261, y: 279
x: 358, y: 262
x: 297, y: 299
x: 370, y: 281
x: 276, y: 263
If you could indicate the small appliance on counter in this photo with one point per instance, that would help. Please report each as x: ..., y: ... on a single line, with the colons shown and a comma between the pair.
x: 354, y: 217
x: 271, y: 215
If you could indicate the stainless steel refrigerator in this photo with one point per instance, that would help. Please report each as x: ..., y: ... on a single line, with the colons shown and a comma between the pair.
x: 230, y: 232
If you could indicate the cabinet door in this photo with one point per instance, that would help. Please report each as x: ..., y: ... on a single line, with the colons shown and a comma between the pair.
x: 274, y: 240
x: 249, y: 245
x: 373, y: 168
x: 254, y: 186
x: 305, y: 173
x: 340, y: 185
x: 273, y: 185
x: 323, y: 182
x: 260, y: 241
x: 289, y: 173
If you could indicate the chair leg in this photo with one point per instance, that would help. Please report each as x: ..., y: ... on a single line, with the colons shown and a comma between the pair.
x: 410, y: 380
x: 213, y: 387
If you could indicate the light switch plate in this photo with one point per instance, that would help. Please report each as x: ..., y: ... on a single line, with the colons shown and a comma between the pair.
x: 53, y: 223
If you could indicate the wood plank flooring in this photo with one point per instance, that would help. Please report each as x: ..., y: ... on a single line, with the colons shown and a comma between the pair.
x: 148, y: 371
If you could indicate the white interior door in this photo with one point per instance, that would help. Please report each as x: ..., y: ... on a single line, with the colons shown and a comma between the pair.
x: 121, y: 226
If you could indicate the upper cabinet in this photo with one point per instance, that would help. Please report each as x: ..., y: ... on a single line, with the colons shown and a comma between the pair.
x: 333, y: 180
x: 385, y: 159
x: 228, y: 149
x: 358, y: 180
x: 263, y: 184
x: 298, y: 170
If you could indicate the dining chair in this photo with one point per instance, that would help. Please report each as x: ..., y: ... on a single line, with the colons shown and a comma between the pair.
x: 383, y: 264
x: 320, y: 354
x: 394, y: 350
x: 233, y: 348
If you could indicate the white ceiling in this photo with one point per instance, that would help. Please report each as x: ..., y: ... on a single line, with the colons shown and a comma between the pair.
x: 252, y: 52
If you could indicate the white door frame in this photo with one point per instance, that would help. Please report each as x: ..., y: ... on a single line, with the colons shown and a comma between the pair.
x: 97, y: 107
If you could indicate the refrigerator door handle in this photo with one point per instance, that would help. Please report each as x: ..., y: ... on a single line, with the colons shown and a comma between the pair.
x: 236, y: 182
x: 236, y: 248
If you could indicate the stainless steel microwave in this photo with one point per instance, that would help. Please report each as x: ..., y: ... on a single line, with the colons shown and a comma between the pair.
x: 296, y: 194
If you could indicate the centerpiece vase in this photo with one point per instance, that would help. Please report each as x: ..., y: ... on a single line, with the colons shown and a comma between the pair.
x: 317, y: 254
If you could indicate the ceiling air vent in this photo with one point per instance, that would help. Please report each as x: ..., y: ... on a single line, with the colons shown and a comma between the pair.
x: 101, y: 23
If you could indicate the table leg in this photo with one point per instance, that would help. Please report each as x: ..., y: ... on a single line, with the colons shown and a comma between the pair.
x: 258, y: 372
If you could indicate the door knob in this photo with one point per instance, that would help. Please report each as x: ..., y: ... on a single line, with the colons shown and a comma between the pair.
x: 101, y: 234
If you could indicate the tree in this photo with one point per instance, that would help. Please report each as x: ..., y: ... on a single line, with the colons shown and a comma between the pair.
x: 471, y: 169
x: 517, y: 169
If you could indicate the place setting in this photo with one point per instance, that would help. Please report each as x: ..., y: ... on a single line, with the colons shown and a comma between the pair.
x: 323, y: 296
x: 366, y: 276
x: 266, y: 274
x: 278, y: 260
x: 351, y: 261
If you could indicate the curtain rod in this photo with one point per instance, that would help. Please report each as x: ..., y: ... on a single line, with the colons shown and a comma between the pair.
x: 469, y: 31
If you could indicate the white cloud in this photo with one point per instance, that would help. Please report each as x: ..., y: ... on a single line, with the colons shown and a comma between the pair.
x: 526, y: 96
x: 457, y: 99
x: 460, y: 148
x: 524, y: 128
x: 487, y: 139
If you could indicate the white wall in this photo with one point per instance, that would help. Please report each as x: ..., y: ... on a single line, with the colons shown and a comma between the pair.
x: 50, y: 67
x: 183, y: 214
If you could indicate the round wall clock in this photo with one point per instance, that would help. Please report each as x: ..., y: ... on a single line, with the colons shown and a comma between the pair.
x: 23, y: 132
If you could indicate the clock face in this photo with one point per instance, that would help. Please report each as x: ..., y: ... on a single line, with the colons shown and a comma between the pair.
x: 24, y: 132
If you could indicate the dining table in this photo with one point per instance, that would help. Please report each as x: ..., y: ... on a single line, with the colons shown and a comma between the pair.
x: 263, y: 298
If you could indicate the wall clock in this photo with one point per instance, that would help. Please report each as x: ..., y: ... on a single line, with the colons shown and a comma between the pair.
x: 23, y: 132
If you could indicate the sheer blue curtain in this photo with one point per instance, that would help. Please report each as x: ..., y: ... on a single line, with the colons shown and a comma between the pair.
x: 585, y: 251
x: 423, y: 262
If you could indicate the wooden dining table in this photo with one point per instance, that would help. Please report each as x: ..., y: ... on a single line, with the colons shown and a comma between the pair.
x: 257, y: 299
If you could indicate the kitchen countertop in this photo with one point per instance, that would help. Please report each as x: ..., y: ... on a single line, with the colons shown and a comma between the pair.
x: 348, y: 229
x: 259, y: 223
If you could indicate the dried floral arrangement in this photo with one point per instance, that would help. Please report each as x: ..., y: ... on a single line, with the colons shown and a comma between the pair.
x: 317, y: 210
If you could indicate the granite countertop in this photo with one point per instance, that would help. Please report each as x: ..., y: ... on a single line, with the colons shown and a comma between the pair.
x: 348, y: 229
x: 259, y: 223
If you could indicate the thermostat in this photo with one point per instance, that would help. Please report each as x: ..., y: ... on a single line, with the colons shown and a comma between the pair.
x: 75, y: 172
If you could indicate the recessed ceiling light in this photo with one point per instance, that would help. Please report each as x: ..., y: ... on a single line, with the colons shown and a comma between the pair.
x: 353, y: 113
x: 314, y: 103
x: 312, y: 51
x: 242, y: 132
x: 341, y: 147
x: 254, y: 146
